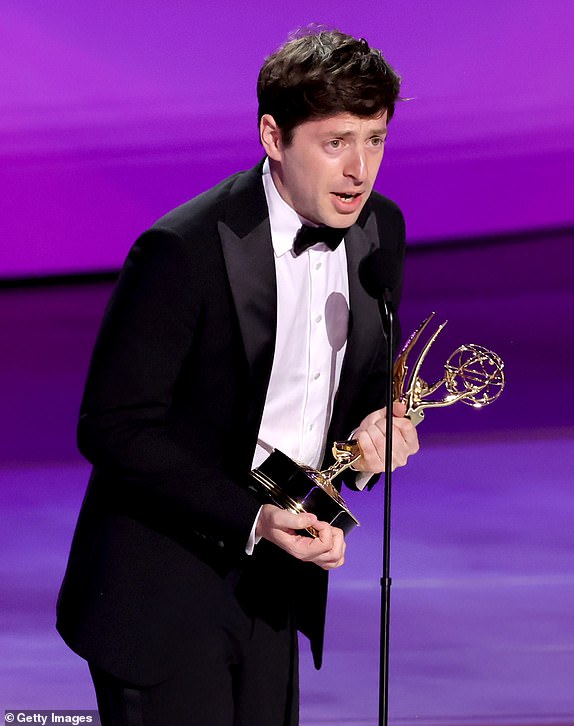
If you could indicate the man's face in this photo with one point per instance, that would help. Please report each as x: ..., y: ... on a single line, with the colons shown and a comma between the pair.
x: 327, y: 172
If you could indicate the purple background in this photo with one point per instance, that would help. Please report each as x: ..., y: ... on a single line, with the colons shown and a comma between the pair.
x: 112, y: 113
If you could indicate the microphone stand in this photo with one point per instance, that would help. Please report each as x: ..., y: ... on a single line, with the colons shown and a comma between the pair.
x: 385, y: 306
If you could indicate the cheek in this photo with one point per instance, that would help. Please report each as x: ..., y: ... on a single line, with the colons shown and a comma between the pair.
x: 371, y: 176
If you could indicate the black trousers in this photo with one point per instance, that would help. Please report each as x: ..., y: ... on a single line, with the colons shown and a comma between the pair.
x: 242, y: 674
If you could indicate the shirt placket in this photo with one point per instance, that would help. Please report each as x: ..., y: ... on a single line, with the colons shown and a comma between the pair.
x: 319, y: 363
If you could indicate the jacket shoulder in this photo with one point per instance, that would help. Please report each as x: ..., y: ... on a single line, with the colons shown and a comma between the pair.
x: 390, y: 220
x: 384, y: 207
x: 200, y: 209
x: 226, y: 200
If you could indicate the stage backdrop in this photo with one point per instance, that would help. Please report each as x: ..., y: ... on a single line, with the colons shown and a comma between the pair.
x: 111, y: 113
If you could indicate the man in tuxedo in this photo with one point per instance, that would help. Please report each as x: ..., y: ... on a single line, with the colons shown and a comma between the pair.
x: 229, y: 333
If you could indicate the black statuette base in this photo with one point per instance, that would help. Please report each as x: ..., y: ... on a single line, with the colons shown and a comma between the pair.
x: 283, y: 482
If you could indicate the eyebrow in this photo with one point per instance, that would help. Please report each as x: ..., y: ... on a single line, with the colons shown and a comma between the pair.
x: 375, y: 132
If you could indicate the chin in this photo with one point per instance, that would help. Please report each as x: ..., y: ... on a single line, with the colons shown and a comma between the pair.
x: 346, y: 220
x: 344, y: 223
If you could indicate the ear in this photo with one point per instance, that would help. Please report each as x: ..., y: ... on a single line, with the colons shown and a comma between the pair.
x: 270, y: 135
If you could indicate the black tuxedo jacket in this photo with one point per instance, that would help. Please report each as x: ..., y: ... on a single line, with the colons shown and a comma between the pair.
x: 169, y: 420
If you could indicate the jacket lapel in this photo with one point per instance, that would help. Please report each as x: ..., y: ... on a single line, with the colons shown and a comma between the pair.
x: 365, y: 327
x: 246, y: 242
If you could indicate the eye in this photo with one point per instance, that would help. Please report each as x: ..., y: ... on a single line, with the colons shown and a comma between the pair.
x: 335, y: 143
x: 377, y: 141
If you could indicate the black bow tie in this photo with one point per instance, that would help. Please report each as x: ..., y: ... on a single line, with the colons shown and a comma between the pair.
x: 308, y: 236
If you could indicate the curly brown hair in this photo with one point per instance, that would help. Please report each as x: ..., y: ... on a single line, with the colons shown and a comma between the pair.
x: 320, y: 73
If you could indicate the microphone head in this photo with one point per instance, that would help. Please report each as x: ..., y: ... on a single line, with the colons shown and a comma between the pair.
x: 378, y: 272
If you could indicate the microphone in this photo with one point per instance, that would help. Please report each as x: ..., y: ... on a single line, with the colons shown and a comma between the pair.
x: 379, y: 274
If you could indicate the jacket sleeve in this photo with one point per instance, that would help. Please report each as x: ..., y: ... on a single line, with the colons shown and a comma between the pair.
x: 125, y: 428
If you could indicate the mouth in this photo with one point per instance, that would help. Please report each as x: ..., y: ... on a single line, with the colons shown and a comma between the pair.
x: 347, y: 197
x: 348, y: 202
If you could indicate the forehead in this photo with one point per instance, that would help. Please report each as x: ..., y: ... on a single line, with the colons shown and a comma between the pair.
x: 344, y: 124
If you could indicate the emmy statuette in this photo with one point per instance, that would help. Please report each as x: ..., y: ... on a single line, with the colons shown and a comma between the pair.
x: 472, y: 374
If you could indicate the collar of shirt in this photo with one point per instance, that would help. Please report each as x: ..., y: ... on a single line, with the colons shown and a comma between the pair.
x: 284, y: 220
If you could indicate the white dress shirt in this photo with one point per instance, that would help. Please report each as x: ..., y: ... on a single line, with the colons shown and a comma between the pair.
x: 311, y: 338
x: 310, y: 343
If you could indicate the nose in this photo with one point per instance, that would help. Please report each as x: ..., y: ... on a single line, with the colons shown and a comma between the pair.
x: 356, y: 164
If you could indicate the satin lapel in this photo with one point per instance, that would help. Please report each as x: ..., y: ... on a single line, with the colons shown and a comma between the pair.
x: 365, y: 328
x: 251, y: 271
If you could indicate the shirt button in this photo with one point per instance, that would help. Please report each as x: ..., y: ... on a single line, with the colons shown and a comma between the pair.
x: 318, y: 318
x: 310, y: 427
x: 316, y: 375
x: 318, y: 265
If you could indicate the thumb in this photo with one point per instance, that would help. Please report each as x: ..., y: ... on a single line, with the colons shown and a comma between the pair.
x: 306, y: 519
x: 399, y: 409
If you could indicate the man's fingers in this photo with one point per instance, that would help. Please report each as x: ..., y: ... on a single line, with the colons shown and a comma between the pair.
x: 335, y: 557
x: 325, y: 532
x: 332, y: 557
x: 281, y: 527
x: 409, y: 433
x: 399, y: 409
x: 289, y: 520
x: 273, y: 520
x: 373, y: 446
x: 372, y: 440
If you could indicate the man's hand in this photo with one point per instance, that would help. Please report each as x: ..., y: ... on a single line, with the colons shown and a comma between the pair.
x: 372, y: 440
x: 280, y: 527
